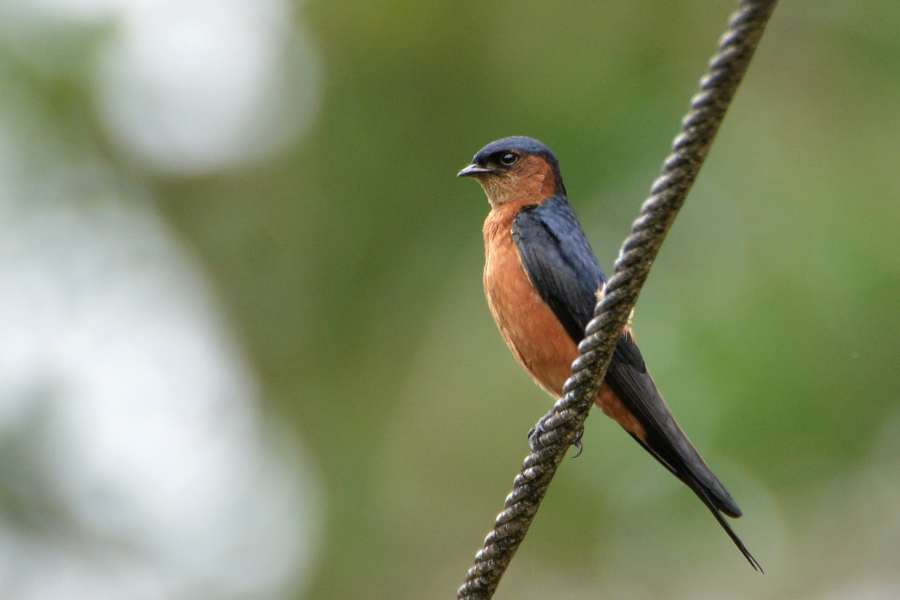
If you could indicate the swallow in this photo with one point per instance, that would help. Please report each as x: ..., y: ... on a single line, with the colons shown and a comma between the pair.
x: 542, y: 281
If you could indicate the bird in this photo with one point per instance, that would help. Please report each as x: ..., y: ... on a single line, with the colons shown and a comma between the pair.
x: 542, y: 281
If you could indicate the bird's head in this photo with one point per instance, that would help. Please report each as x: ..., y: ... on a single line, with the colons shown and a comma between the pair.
x: 516, y: 168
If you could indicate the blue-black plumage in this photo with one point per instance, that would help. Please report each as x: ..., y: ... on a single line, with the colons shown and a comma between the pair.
x: 541, y: 280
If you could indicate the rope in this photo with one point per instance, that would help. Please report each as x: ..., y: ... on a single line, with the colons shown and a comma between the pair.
x: 563, y: 425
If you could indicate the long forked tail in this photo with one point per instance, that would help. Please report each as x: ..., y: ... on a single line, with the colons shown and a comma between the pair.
x: 710, y: 491
x: 704, y: 496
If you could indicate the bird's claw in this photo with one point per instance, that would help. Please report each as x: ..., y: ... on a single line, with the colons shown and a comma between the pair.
x: 534, y: 435
x: 578, y: 445
x: 538, y: 430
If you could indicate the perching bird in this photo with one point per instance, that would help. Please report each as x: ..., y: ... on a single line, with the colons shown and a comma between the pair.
x: 541, y: 280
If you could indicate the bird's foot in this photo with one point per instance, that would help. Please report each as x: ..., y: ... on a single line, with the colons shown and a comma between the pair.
x: 577, y: 443
x: 534, y: 435
x: 538, y: 430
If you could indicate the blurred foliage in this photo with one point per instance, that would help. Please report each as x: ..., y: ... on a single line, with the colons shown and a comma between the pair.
x: 350, y: 266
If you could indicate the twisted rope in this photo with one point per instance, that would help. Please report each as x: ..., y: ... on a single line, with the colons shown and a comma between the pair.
x: 562, y: 426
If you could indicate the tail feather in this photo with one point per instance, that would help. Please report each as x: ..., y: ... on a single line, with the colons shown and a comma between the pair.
x: 696, y: 470
x: 701, y: 492
x: 694, y: 467
x: 716, y: 499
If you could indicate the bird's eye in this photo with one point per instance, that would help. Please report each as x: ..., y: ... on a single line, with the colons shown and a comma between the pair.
x: 508, y: 159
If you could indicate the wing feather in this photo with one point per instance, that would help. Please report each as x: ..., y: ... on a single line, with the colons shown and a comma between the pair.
x: 562, y: 267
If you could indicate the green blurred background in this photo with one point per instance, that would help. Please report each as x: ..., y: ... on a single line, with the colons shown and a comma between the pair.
x: 344, y: 260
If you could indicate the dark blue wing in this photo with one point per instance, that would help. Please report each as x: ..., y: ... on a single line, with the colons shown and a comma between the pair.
x: 563, y: 269
x: 559, y: 261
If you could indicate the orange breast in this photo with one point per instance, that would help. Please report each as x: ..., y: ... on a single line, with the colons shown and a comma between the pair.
x: 533, y: 333
x: 531, y: 330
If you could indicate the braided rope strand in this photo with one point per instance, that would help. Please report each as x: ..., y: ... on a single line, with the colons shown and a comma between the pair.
x: 562, y: 426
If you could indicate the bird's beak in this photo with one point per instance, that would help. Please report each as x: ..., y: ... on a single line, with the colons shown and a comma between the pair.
x: 474, y: 170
